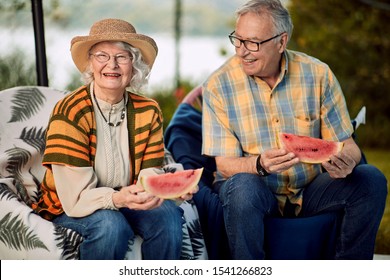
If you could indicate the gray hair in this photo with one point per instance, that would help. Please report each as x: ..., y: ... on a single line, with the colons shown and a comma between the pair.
x: 279, y: 14
x: 141, y: 70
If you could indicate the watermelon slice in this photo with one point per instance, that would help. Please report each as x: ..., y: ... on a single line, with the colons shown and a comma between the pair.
x: 172, y: 185
x: 309, y: 149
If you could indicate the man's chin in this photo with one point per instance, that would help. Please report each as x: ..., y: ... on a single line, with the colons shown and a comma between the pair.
x: 249, y: 72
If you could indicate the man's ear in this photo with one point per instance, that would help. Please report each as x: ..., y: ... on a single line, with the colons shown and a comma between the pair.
x: 283, y: 42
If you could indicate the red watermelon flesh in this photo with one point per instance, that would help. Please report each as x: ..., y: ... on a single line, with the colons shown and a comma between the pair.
x: 172, y: 185
x: 309, y: 149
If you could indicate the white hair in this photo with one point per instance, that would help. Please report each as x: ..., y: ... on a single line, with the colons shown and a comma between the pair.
x: 141, y: 70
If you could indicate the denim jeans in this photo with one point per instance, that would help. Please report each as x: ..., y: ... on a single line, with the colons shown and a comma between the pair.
x: 161, y: 230
x: 106, y: 233
x: 360, y: 198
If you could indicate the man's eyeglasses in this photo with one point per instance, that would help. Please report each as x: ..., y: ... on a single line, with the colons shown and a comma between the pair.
x: 249, y: 45
x: 119, y: 58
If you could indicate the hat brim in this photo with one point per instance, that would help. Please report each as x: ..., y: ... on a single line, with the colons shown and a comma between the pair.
x: 81, y: 45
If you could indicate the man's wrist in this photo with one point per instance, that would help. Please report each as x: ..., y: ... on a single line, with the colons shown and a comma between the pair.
x: 260, y: 169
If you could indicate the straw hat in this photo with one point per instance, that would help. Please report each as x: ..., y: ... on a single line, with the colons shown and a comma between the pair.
x: 112, y: 30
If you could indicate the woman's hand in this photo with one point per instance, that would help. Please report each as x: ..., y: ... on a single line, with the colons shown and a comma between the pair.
x: 134, y: 197
x: 187, y: 196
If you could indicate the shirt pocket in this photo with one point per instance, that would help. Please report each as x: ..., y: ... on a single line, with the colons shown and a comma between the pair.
x: 303, y: 127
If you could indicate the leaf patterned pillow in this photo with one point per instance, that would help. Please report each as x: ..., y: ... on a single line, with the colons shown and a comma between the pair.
x: 25, y: 235
x: 24, y: 115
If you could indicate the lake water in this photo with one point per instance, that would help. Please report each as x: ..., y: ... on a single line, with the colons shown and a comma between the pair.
x: 199, y: 55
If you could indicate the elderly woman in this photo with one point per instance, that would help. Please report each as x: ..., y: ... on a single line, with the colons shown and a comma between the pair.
x: 99, y: 138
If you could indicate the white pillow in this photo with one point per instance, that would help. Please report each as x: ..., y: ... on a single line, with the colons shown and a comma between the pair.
x: 25, y: 235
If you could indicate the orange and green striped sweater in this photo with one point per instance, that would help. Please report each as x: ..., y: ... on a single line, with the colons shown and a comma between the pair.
x: 71, y: 140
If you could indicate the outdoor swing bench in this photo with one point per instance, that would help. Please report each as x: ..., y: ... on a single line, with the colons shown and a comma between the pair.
x: 24, y: 116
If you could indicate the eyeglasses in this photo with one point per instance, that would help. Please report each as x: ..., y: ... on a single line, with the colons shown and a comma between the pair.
x: 251, y: 46
x: 119, y: 58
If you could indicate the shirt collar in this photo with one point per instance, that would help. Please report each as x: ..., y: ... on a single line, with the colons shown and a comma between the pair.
x: 284, y: 64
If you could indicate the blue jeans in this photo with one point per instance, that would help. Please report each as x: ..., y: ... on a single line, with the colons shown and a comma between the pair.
x: 360, y: 198
x: 106, y: 233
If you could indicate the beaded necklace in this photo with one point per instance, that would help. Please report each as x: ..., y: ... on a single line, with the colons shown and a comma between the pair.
x: 123, y: 114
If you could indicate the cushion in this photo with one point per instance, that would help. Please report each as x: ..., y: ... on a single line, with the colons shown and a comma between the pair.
x: 24, y: 114
x: 25, y: 235
x: 301, y: 238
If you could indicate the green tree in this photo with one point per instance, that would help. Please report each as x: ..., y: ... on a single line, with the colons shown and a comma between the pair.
x: 352, y: 37
x: 16, y: 70
x: 170, y: 98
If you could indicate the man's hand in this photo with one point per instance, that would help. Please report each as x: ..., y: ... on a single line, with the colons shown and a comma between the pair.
x: 342, y: 164
x: 339, y: 165
x: 273, y: 161
x: 277, y: 160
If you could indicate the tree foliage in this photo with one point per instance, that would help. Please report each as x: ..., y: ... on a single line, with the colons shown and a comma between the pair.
x: 352, y: 38
x: 13, y: 5
x: 170, y: 98
x: 16, y: 70
x: 19, y: 13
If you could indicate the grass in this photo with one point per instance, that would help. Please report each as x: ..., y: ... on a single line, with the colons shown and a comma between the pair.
x: 380, y: 158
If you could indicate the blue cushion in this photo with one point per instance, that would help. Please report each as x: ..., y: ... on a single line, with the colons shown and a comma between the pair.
x: 302, y: 238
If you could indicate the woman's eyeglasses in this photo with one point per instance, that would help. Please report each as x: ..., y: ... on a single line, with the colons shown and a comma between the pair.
x: 119, y: 58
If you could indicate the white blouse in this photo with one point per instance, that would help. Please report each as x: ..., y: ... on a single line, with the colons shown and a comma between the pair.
x: 83, y: 190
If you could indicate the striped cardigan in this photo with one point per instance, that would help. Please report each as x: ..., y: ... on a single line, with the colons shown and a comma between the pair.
x: 71, y: 140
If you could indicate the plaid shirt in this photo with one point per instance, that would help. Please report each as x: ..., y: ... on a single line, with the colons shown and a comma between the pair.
x: 242, y: 116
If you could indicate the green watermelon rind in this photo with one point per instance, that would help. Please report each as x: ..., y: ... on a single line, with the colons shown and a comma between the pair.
x: 190, y: 186
x: 310, y: 148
